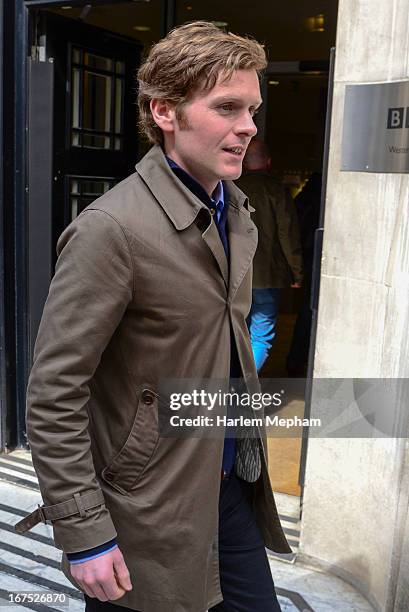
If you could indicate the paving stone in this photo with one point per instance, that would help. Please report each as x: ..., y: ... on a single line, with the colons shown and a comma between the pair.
x: 34, y: 561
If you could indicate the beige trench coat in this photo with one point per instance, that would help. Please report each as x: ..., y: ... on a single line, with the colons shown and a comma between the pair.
x: 142, y: 292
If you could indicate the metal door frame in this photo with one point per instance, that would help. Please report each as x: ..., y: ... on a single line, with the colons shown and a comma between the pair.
x: 316, y: 273
x: 3, y: 364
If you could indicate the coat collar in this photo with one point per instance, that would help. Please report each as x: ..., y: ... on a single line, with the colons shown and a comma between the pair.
x: 182, y: 207
x: 179, y: 203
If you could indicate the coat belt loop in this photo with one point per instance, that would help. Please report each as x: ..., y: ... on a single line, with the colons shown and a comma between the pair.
x: 80, y: 506
x: 41, y: 514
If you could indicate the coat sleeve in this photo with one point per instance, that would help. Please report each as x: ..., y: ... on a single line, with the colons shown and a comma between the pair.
x: 91, y: 289
x: 288, y: 231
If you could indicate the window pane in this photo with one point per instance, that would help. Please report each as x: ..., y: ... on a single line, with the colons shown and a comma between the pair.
x: 76, y: 56
x: 97, y: 102
x: 83, y: 191
x: 75, y: 98
x: 97, y: 61
x: 75, y: 140
x: 74, y: 187
x: 74, y: 208
x: 94, y: 187
x: 120, y: 67
x: 95, y: 141
x: 118, y: 106
x: 89, y: 186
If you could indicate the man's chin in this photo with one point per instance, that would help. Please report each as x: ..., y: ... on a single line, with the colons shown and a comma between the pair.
x: 233, y: 175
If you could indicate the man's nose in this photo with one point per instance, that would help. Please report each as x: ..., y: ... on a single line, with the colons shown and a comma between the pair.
x: 246, y: 126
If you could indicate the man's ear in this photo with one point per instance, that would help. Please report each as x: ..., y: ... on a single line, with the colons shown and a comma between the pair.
x: 163, y: 114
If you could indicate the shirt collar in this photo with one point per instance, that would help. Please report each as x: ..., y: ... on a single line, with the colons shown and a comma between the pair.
x: 218, y: 195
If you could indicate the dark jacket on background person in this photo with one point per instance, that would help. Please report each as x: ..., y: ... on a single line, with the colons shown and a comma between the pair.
x: 278, y: 261
x: 143, y: 292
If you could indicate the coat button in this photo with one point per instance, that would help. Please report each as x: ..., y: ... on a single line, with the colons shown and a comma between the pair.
x: 148, y: 398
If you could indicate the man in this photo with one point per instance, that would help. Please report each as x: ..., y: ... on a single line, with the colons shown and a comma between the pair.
x: 277, y: 262
x: 153, y: 282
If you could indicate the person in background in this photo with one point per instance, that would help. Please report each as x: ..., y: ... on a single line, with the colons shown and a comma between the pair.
x: 278, y: 261
x: 308, y: 209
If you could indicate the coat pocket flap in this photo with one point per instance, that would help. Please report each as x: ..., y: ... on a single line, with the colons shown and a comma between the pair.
x: 129, y: 463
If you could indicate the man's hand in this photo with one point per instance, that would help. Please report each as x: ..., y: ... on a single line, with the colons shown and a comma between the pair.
x: 105, y: 577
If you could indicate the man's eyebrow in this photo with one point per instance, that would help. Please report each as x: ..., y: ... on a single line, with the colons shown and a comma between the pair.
x: 226, y: 98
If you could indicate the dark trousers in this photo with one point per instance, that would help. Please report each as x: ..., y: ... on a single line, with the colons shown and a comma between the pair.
x: 246, y: 582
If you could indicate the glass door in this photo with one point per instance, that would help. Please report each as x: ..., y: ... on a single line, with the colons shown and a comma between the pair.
x: 95, y: 140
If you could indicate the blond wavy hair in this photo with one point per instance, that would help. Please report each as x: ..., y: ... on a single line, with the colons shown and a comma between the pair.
x: 191, y: 58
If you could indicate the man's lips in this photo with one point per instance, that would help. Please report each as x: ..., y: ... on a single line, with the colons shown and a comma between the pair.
x: 237, y: 151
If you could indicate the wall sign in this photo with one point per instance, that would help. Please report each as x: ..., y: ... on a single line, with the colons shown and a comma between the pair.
x: 376, y: 128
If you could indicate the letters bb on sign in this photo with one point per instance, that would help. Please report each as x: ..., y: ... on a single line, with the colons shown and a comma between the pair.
x: 376, y: 128
x: 398, y: 118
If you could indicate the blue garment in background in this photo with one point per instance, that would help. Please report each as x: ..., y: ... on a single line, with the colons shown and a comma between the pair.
x: 262, y: 322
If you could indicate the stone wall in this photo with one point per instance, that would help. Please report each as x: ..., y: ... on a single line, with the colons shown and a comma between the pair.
x: 355, y: 517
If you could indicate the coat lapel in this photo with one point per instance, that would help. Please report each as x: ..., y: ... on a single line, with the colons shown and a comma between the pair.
x: 242, y: 235
x: 212, y: 239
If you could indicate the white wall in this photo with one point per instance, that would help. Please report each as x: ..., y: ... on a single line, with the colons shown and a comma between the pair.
x: 355, y: 517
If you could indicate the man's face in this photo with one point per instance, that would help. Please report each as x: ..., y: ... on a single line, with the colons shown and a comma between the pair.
x: 217, y: 126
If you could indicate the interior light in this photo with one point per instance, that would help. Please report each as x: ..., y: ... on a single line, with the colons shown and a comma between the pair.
x: 220, y: 24
x: 189, y: 7
x: 316, y: 23
x: 141, y: 28
x: 274, y: 82
x: 66, y: 8
x: 319, y: 22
